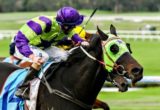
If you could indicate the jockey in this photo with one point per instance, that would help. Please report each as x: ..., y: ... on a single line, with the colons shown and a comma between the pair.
x: 37, y: 36
x: 65, y: 44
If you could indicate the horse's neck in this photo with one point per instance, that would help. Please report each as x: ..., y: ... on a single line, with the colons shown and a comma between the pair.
x: 88, y: 85
x: 90, y: 78
x: 82, y: 80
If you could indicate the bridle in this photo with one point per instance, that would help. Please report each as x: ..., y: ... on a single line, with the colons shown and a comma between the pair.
x: 116, y: 66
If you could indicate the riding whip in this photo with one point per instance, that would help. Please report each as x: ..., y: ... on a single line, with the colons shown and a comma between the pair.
x: 88, y: 19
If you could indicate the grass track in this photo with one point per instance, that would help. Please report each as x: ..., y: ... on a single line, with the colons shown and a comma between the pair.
x: 145, y: 99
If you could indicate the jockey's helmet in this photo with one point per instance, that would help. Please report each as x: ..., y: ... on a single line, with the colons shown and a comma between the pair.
x: 69, y: 16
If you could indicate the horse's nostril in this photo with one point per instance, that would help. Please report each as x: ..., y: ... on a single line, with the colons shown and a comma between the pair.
x: 136, y: 71
x: 124, y: 85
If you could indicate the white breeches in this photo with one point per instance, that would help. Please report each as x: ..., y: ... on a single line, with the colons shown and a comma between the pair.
x: 54, y: 53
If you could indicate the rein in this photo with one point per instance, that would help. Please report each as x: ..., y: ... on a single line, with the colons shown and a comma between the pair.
x: 101, y: 62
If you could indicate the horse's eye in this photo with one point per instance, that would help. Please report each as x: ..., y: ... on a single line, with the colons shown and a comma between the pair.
x: 114, y: 48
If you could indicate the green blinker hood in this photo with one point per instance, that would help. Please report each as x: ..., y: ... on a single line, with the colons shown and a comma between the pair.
x: 106, y: 48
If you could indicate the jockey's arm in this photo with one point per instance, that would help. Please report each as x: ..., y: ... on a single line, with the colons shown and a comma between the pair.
x: 25, y: 35
x: 22, y: 43
x: 80, y: 36
x: 76, y: 39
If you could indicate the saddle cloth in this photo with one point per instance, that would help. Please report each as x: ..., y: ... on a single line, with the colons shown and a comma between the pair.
x: 8, y: 101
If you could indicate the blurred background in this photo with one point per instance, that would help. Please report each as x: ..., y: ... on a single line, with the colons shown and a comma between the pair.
x: 136, y: 21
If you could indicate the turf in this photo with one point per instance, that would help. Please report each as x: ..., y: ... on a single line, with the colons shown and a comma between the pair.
x: 4, y: 47
x: 145, y: 99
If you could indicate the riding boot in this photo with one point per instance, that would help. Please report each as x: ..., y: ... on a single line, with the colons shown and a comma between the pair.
x: 23, y: 90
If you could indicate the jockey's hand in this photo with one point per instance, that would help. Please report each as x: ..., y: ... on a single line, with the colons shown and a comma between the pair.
x: 84, y: 43
x: 37, y: 60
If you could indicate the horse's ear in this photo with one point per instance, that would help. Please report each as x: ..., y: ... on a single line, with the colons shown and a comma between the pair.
x: 102, y: 35
x: 113, y: 30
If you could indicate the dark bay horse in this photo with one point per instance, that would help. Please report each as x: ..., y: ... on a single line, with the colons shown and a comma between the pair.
x: 86, y: 82
x: 78, y: 81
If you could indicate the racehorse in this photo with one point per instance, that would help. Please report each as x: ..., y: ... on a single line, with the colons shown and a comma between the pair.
x: 93, y: 78
x: 78, y: 81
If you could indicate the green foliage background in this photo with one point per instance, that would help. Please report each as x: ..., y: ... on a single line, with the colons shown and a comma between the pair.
x: 143, y: 99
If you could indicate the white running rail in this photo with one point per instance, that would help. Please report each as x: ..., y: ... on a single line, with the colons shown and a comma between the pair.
x: 124, y: 34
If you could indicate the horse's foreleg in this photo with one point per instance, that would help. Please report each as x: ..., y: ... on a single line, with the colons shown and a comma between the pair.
x: 100, y: 104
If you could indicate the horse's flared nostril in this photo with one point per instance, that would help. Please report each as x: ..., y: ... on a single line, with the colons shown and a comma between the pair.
x: 136, y: 70
x: 124, y: 85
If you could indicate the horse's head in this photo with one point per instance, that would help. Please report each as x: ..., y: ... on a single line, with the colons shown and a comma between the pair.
x: 113, y: 77
x: 117, y: 56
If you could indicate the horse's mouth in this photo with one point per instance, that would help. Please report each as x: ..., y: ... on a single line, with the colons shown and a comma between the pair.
x: 135, y: 76
x: 123, y: 87
x: 136, y: 79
